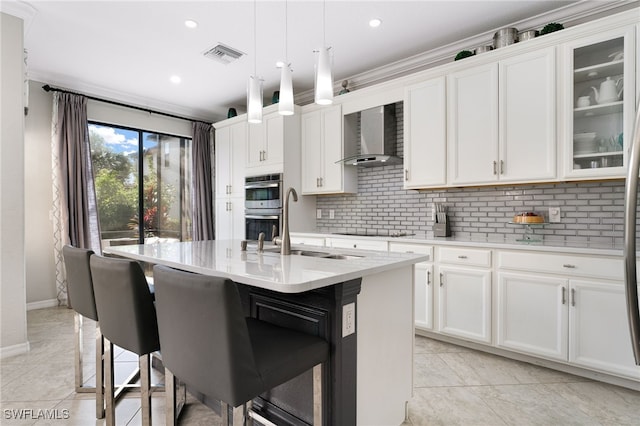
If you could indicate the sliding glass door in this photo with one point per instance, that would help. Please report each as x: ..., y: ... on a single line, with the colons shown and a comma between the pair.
x: 142, y: 185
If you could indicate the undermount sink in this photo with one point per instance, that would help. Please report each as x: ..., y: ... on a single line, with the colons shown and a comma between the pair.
x: 310, y: 253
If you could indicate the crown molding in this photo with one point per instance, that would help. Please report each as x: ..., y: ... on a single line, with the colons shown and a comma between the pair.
x: 570, y: 15
x: 20, y: 9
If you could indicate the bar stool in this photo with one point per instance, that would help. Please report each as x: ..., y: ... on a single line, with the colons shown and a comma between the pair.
x: 80, y: 289
x: 128, y: 319
x: 209, y: 344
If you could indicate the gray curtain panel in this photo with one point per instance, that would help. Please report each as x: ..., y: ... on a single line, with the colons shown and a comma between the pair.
x: 76, y: 172
x: 201, y: 152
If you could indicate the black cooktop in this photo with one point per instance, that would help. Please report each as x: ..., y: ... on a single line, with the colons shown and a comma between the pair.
x: 393, y: 234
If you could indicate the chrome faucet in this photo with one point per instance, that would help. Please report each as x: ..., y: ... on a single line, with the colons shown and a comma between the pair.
x: 286, y: 241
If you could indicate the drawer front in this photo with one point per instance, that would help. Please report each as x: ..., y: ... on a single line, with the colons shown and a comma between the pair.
x: 309, y: 241
x: 465, y: 256
x: 357, y: 244
x: 610, y: 268
x: 412, y: 248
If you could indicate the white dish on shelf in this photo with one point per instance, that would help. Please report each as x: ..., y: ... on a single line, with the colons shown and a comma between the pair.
x: 585, y: 138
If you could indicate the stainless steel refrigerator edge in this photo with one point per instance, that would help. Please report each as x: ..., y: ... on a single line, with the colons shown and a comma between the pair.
x: 630, y: 209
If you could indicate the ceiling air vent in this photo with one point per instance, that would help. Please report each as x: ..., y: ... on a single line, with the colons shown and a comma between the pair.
x: 223, y: 54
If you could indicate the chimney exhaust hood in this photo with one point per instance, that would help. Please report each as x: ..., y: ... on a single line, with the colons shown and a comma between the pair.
x: 378, y: 137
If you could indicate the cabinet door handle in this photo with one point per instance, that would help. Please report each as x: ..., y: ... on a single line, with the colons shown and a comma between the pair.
x: 321, y: 181
x: 428, y: 277
x: 406, y: 174
x: 462, y: 256
x: 573, y: 297
x: 569, y: 266
x: 501, y: 167
x: 564, y: 295
x: 317, y: 182
x: 441, y: 279
x: 495, y: 167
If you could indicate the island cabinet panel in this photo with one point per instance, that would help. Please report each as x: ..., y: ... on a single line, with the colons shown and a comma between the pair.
x: 317, y: 312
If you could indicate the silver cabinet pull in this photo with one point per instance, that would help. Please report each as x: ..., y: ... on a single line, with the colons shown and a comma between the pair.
x: 573, y: 297
x: 462, y: 256
x: 441, y: 279
x: 501, y: 167
x: 495, y: 169
x: 406, y: 174
x: 569, y: 266
x: 428, y: 277
x: 355, y: 246
x: 317, y: 182
x: 321, y: 181
x: 564, y: 295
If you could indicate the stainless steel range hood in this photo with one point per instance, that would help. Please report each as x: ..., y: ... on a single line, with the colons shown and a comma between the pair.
x: 378, y: 138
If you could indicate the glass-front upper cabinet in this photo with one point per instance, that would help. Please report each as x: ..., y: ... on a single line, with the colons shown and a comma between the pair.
x: 599, y: 103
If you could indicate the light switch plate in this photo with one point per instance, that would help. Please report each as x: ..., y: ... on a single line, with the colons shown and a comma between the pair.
x: 318, y: 213
x: 348, y: 319
x: 554, y: 214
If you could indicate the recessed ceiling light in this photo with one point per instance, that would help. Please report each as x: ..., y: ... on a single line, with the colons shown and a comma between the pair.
x: 279, y: 64
x: 175, y: 79
x: 375, y: 23
x: 189, y: 23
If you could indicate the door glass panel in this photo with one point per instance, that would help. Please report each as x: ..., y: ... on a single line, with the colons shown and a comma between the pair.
x: 598, y: 105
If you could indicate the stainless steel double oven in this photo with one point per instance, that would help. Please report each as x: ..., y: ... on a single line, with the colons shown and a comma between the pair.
x: 263, y: 206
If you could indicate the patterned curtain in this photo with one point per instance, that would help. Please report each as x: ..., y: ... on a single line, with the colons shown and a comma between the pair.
x: 202, y: 195
x: 75, y: 215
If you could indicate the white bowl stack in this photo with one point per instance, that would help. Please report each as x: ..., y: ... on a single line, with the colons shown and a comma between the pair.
x: 585, y: 143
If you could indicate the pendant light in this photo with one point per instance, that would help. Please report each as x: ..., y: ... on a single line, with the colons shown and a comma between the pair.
x: 254, y: 86
x: 285, y: 105
x: 324, y: 78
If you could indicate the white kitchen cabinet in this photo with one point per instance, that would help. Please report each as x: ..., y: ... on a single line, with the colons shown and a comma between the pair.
x: 422, y: 281
x: 501, y: 121
x: 425, y: 135
x: 230, y: 159
x: 599, y: 335
x: 564, y: 308
x: 230, y: 148
x: 532, y: 314
x: 307, y: 241
x: 464, y: 293
x: 322, y: 148
x: 265, y: 145
x: 229, y: 221
x: 599, y: 101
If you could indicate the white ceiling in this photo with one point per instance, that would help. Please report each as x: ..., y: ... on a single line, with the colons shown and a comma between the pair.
x: 127, y: 50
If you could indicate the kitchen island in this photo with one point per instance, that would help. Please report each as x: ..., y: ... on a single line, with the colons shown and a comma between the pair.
x: 360, y: 301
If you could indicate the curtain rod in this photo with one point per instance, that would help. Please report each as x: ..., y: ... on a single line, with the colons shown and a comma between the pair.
x: 48, y: 88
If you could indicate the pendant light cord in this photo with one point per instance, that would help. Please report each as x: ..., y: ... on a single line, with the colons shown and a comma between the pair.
x: 255, y: 40
x: 324, y: 23
x: 286, y: 34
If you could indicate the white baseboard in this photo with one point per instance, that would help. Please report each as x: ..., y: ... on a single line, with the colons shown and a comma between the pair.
x: 51, y: 303
x: 22, y: 348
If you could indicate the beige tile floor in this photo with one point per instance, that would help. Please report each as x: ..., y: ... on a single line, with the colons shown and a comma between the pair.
x: 453, y: 386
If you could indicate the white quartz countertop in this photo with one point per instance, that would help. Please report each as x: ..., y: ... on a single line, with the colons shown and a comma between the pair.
x: 268, y: 270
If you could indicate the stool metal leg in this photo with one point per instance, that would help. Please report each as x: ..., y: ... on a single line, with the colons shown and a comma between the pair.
x: 99, y: 373
x: 176, y: 398
x: 108, y: 384
x: 145, y: 389
x: 317, y: 395
x: 77, y: 328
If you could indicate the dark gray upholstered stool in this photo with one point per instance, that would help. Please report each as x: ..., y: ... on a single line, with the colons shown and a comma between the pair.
x: 80, y: 290
x: 128, y: 319
x: 209, y: 344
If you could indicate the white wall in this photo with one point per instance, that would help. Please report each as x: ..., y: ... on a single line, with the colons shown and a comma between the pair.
x: 40, y: 275
x: 13, y: 319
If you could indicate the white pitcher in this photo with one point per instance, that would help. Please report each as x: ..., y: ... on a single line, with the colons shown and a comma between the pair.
x: 608, y: 92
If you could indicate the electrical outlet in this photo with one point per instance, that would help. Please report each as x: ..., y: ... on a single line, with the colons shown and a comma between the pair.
x: 318, y: 213
x: 332, y: 214
x: 348, y: 319
x: 554, y: 214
